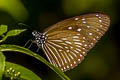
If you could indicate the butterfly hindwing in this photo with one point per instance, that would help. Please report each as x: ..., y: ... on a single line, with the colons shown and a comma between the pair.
x: 66, y: 51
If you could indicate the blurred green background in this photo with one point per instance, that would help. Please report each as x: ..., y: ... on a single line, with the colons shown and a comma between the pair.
x: 101, y: 63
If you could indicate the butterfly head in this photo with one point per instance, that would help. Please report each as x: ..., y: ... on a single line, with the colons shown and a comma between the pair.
x: 36, y: 33
x: 39, y: 37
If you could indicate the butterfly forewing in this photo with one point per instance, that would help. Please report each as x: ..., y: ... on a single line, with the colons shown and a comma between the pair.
x: 68, y: 41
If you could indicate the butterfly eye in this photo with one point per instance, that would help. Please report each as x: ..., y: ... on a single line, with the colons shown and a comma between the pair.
x: 67, y: 42
x: 35, y: 33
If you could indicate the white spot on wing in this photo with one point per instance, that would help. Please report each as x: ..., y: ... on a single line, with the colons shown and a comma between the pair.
x: 71, y: 47
x: 60, y: 50
x: 92, y: 43
x: 90, y: 33
x: 67, y: 66
x: 66, y: 47
x: 75, y: 36
x: 83, y: 41
x: 78, y: 29
x: 97, y: 29
x: 78, y: 59
x: 84, y: 22
x: 100, y: 20
x: 83, y: 37
x: 78, y: 34
x: 83, y: 19
x: 76, y: 18
x: 76, y: 40
x: 74, y: 62
x: 101, y: 26
x: 88, y: 26
x: 78, y: 43
x: 83, y: 48
x: 81, y: 55
x: 67, y: 50
x: 94, y: 39
x: 97, y: 37
x: 64, y: 38
x: 97, y: 15
x: 85, y: 45
x: 68, y: 42
x: 70, y: 27
x: 64, y: 67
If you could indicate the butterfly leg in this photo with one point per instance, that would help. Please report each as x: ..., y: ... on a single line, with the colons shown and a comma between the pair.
x: 38, y: 49
x: 30, y: 45
x: 39, y: 46
x: 32, y: 41
x: 27, y: 43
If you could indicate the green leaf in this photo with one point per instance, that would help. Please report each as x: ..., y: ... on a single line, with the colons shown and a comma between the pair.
x: 12, y: 33
x: 25, y: 73
x: 15, y: 32
x: 15, y: 8
x: 30, y: 53
x: 3, y: 29
x: 2, y: 64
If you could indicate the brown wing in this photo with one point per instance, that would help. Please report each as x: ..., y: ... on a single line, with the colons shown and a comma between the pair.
x: 68, y: 41
x: 95, y: 18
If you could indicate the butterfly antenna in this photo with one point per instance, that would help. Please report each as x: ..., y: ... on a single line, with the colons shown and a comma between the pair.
x: 24, y: 25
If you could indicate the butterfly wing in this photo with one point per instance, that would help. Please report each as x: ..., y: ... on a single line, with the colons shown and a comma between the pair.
x: 68, y: 41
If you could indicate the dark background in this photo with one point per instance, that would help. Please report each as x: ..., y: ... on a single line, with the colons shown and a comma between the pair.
x: 102, y: 61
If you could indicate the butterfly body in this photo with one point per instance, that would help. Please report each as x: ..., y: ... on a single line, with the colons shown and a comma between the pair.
x: 67, y: 42
x: 40, y: 38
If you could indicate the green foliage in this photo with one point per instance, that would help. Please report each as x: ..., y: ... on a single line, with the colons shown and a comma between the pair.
x: 30, y: 53
x: 15, y: 8
x: 15, y: 32
x: 14, y: 71
x: 3, y: 29
x: 72, y: 7
x: 2, y: 64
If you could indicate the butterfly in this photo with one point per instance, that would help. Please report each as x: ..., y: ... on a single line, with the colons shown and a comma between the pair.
x: 67, y: 42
